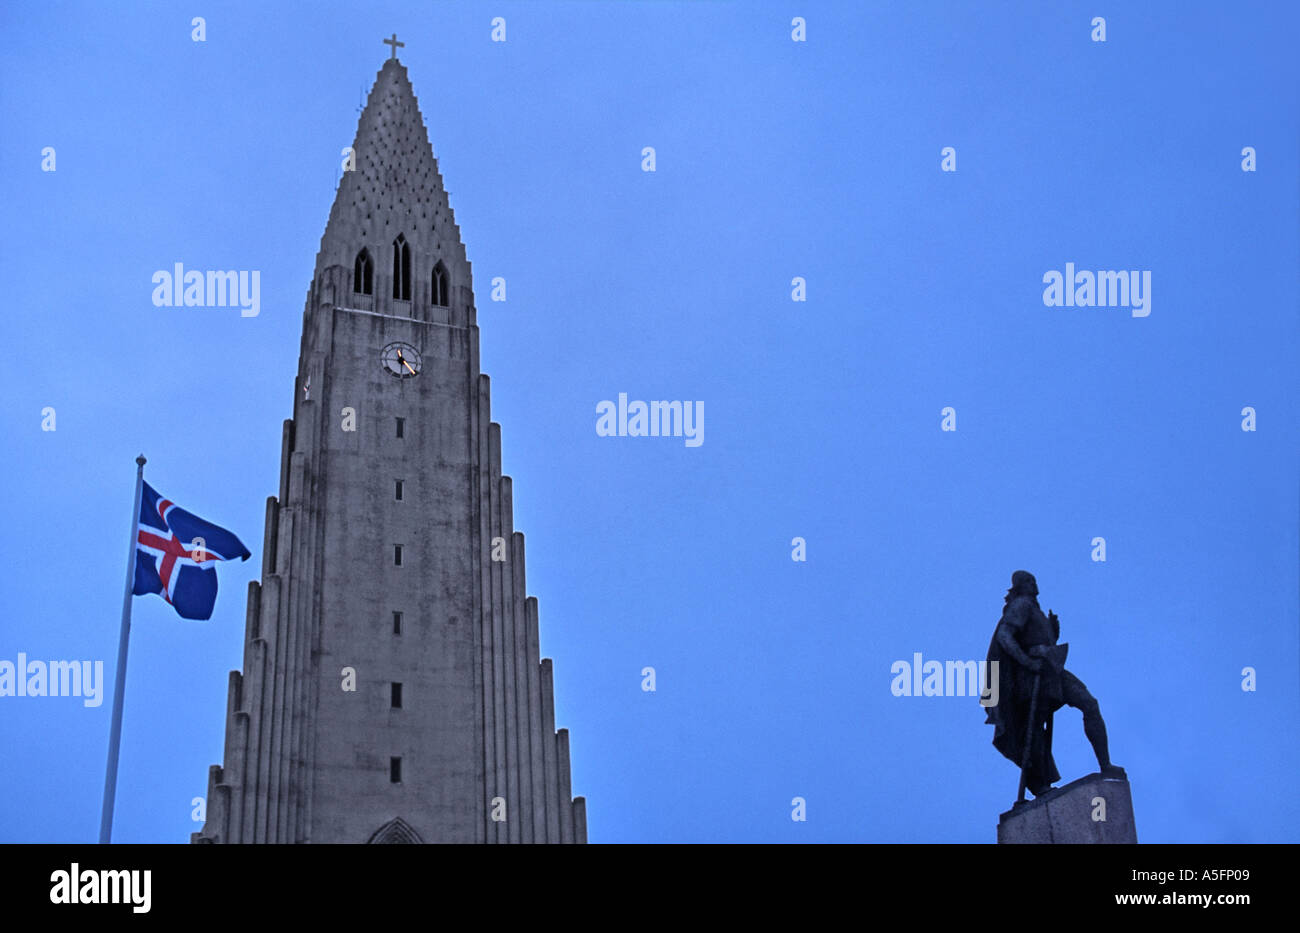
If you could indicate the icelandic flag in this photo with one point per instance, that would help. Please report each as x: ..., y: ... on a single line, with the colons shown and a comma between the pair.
x: 176, y: 554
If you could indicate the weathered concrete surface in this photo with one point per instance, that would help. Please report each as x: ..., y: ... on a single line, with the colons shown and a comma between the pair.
x: 307, y: 760
x: 1070, y: 814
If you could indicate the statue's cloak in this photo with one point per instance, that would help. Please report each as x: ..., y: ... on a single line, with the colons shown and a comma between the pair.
x: 1010, y: 717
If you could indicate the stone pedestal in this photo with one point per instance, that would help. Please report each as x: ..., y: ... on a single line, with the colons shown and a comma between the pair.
x: 1072, y: 814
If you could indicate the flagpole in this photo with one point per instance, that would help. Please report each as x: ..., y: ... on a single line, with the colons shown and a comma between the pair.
x: 115, y: 734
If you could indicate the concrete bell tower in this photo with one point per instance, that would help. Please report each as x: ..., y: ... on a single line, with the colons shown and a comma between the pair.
x: 392, y: 689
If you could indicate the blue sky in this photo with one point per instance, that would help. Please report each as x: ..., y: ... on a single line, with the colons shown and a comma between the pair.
x: 775, y: 159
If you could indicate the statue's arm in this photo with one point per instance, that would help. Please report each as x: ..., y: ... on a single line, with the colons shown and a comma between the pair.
x: 1012, y: 621
x: 1007, y: 639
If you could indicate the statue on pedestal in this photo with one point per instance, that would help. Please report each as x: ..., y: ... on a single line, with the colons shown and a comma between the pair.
x: 1032, y: 685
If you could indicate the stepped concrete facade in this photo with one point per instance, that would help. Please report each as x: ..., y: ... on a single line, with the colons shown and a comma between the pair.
x: 392, y: 689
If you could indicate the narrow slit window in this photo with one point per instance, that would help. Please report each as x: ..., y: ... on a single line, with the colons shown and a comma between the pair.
x: 397, y: 491
x: 363, y: 274
x: 397, y: 696
x: 439, y: 287
x: 401, y: 269
x: 397, y: 555
x: 397, y: 623
x: 394, y: 770
x: 401, y: 427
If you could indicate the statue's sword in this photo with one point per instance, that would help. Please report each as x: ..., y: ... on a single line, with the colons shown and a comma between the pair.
x: 1055, y: 657
x: 1029, y: 738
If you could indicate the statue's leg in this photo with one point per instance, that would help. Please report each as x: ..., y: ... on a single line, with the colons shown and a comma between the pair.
x: 1037, y: 777
x: 1076, y: 695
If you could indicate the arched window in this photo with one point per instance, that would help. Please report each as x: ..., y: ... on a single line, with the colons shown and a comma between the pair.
x: 363, y: 274
x: 401, y: 269
x: 440, y: 285
x: 398, y: 831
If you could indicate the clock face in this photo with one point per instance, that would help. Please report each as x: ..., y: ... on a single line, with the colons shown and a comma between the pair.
x: 401, y: 360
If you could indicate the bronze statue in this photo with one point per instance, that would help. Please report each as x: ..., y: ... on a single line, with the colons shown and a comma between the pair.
x: 1032, y: 685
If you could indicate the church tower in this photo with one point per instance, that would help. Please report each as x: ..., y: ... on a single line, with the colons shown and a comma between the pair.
x: 392, y: 688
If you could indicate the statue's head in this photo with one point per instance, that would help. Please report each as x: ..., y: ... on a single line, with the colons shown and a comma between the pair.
x: 1023, y: 584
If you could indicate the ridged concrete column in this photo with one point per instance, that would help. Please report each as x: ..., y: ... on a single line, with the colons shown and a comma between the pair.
x: 267, y: 626
x: 536, y: 737
x: 501, y: 688
x: 233, y: 756
x: 549, y: 760
x: 493, y: 739
x: 565, y: 790
x: 252, y: 702
x: 524, y: 729
x: 481, y: 705
x: 513, y: 739
x: 580, y: 820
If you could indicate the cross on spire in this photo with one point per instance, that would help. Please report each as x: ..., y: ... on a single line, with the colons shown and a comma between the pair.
x: 395, y: 44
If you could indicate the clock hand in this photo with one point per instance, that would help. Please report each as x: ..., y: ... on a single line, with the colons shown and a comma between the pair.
x: 401, y: 359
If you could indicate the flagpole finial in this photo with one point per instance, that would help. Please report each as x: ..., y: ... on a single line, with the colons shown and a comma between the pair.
x: 140, y: 461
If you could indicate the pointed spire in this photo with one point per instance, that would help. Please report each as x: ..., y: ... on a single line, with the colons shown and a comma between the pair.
x: 394, y: 188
